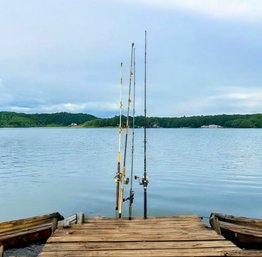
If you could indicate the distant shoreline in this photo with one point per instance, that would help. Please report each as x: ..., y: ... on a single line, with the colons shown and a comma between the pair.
x: 82, y: 120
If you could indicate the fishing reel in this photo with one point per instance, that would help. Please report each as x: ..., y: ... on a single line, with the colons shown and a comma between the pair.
x: 142, y: 181
x: 130, y: 198
x: 117, y: 178
x: 126, y: 181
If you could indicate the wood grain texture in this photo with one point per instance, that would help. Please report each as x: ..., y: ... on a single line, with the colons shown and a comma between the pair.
x: 25, y: 231
x: 163, y: 236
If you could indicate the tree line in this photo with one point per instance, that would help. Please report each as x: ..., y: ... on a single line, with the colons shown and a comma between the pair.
x: 226, y: 121
x: 13, y: 119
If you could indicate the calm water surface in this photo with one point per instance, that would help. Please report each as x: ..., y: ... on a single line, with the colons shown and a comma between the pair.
x: 191, y: 171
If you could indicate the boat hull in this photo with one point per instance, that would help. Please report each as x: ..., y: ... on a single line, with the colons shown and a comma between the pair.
x: 22, y: 232
x: 244, y: 232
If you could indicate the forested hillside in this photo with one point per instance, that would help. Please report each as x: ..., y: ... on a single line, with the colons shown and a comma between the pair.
x: 13, y: 119
x: 226, y: 121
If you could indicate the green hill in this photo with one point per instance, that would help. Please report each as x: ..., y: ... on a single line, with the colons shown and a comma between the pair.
x: 226, y: 121
x: 13, y: 119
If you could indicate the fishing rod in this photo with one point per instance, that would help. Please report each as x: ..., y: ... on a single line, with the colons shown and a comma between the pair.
x: 131, y: 192
x: 125, y: 180
x: 145, y: 178
x: 118, y: 174
x: 144, y: 181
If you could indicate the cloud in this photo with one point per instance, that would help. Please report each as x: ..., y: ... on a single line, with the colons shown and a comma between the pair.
x: 62, y: 62
x: 222, y: 100
x: 5, y: 97
x: 91, y: 107
x: 248, y: 10
x: 2, y: 85
x: 245, y: 98
x: 95, y: 108
x: 238, y: 99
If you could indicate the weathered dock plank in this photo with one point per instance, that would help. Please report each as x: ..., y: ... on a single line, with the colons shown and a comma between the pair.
x: 138, y: 245
x: 142, y: 253
x: 154, y: 237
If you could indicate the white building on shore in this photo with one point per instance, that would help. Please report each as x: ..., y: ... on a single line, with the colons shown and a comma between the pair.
x: 211, y: 126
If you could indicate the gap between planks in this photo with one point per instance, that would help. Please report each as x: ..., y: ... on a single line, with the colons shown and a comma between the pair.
x: 154, y: 237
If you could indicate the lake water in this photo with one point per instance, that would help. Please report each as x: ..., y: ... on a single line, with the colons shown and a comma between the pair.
x: 191, y: 171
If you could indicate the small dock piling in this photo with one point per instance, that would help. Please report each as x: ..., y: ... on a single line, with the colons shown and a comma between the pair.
x: 162, y: 236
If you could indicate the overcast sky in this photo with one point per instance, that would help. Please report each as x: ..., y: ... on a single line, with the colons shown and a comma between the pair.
x: 204, y: 56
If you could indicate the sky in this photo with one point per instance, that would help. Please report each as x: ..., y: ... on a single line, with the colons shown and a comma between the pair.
x: 204, y: 57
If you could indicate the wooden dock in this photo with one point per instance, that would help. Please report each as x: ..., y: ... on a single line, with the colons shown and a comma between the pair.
x: 163, y: 236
